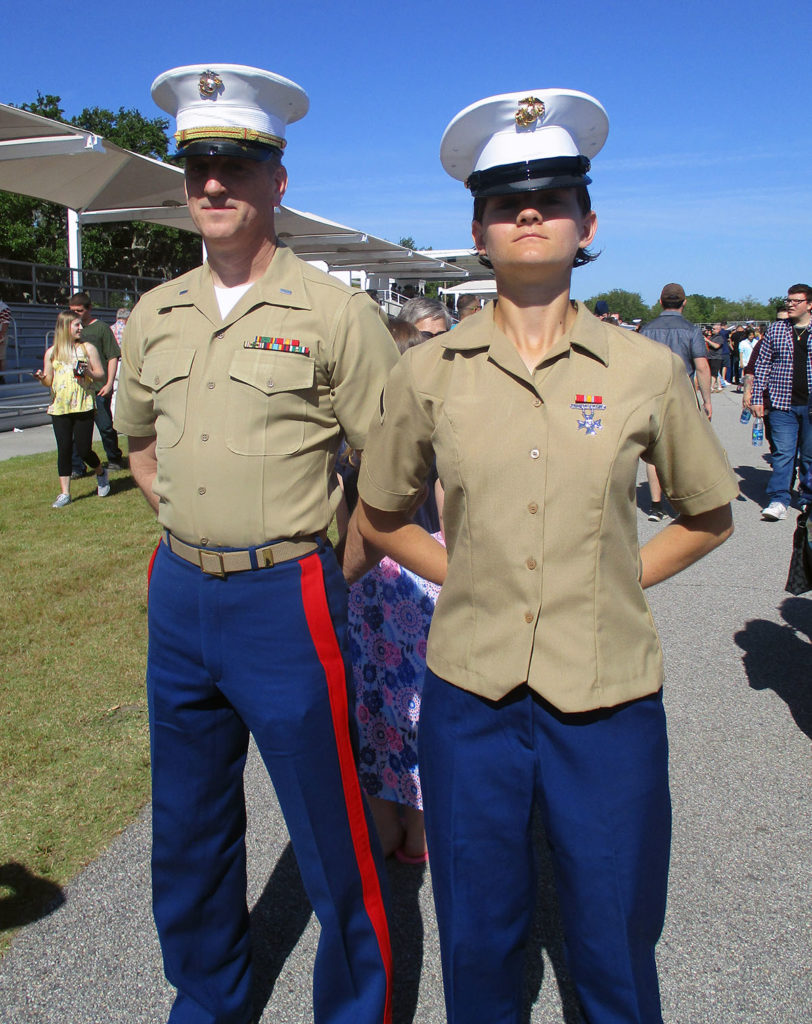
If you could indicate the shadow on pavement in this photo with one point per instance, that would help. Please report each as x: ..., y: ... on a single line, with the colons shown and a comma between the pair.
x: 546, y: 935
x: 278, y: 920
x: 777, y: 658
x: 29, y: 898
x: 753, y: 482
x: 283, y: 911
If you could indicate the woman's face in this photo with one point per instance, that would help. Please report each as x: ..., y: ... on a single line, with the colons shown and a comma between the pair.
x: 75, y: 328
x: 542, y: 228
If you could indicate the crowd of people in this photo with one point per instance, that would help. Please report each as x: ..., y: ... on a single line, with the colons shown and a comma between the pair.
x: 496, y: 656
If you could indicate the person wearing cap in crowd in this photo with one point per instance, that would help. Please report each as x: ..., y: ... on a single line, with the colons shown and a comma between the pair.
x: 544, y: 668
x: 686, y: 340
x: 239, y: 381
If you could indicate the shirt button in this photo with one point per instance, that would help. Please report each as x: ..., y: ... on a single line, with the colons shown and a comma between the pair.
x: 201, y: 490
x: 531, y: 563
x: 528, y: 617
x: 204, y: 541
x: 221, y: 335
x: 156, y: 380
x: 269, y: 383
x: 534, y: 453
x: 210, y: 385
x: 532, y: 508
x: 537, y: 402
x: 204, y: 437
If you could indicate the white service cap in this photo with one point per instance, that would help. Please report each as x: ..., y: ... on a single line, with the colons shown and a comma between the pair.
x: 229, y: 109
x: 518, y: 141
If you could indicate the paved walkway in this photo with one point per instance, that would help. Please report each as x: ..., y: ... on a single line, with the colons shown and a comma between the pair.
x: 737, y: 941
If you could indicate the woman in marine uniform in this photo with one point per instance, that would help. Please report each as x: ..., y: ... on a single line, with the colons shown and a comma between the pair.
x: 544, y: 678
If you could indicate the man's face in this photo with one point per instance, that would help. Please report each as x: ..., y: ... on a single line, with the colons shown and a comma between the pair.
x: 83, y: 312
x: 232, y: 200
x: 797, y: 305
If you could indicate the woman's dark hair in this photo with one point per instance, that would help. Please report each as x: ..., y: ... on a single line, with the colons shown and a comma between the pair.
x: 582, y: 257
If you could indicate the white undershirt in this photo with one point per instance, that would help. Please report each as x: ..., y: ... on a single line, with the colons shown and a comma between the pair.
x: 227, y: 298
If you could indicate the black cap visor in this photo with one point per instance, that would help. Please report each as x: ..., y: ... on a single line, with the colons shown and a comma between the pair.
x: 530, y: 176
x: 228, y: 147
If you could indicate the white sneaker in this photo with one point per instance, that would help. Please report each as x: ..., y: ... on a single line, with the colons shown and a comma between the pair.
x: 61, y: 501
x: 774, y: 511
x: 103, y: 485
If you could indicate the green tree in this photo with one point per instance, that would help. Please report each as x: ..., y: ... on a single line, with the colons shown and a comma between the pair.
x: 629, y: 305
x: 36, y: 231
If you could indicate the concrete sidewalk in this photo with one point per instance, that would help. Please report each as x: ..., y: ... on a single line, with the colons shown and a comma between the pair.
x: 737, y: 941
x: 28, y: 441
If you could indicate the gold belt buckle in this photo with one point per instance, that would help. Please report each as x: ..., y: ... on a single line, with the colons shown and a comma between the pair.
x: 211, y: 562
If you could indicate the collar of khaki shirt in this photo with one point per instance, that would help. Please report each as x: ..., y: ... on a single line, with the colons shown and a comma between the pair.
x: 284, y: 287
x: 473, y: 335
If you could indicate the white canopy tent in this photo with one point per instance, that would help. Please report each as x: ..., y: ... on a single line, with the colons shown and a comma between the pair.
x: 101, y: 182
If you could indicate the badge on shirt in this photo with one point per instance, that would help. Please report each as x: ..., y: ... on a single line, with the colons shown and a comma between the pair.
x: 588, y: 405
x: 278, y: 345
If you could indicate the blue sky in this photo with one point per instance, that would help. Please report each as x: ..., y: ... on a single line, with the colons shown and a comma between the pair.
x: 706, y: 177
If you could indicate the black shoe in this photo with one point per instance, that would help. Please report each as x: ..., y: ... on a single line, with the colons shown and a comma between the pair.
x: 77, y: 474
x: 115, y: 466
x: 656, y: 515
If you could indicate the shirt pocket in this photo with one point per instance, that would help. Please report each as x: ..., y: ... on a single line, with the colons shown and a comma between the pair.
x: 166, y: 374
x: 268, y: 395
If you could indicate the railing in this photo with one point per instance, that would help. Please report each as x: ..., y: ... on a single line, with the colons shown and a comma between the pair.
x: 51, y: 285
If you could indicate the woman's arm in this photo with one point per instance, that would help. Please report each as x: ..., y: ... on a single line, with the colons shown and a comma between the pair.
x: 396, y: 535
x: 684, y: 542
x: 46, y: 375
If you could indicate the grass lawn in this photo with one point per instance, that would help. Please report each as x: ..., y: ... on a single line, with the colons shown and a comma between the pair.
x: 74, y: 749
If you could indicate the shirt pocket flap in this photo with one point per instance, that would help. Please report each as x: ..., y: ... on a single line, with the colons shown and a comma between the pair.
x: 271, y: 372
x: 162, y: 368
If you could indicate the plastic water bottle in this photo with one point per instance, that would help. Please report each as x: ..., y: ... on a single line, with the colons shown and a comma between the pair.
x: 758, y: 431
x: 745, y: 416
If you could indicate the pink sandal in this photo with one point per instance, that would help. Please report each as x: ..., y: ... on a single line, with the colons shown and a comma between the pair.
x: 406, y: 858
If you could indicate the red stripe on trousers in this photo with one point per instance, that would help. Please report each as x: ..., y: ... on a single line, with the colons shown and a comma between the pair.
x: 322, y: 632
x: 151, y: 563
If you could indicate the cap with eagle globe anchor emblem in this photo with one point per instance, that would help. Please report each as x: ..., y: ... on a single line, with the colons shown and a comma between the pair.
x: 229, y: 109
x: 522, y: 141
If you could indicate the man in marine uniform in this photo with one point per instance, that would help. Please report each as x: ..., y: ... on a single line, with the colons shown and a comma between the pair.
x: 239, y: 380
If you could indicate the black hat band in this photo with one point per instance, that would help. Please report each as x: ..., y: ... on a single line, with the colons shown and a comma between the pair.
x: 526, y: 175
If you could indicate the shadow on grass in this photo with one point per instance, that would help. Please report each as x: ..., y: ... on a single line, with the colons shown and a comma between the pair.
x: 119, y: 484
x: 29, y: 897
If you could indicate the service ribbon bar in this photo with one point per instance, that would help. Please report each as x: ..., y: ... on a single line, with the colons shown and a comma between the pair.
x: 278, y: 345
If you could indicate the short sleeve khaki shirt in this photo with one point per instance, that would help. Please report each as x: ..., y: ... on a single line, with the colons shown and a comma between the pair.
x: 539, y: 471
x: 248, y: 411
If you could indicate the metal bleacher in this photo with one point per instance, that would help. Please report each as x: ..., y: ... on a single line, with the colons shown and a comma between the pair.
x: 23, y: 400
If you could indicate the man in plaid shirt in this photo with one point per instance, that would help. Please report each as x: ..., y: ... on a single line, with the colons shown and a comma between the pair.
x: 783, y: 372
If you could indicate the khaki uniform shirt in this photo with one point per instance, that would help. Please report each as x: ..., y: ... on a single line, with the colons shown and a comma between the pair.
x: 539, y: 471
x: 247, y: 434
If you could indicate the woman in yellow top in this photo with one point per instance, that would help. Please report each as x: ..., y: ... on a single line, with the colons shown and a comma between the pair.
x: 543, y: 688
x: 70, y: 369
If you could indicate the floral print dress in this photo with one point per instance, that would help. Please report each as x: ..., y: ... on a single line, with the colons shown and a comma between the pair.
x: 390, y: 612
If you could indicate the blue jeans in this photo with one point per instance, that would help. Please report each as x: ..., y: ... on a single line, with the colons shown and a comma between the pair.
x: 791, y: 433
